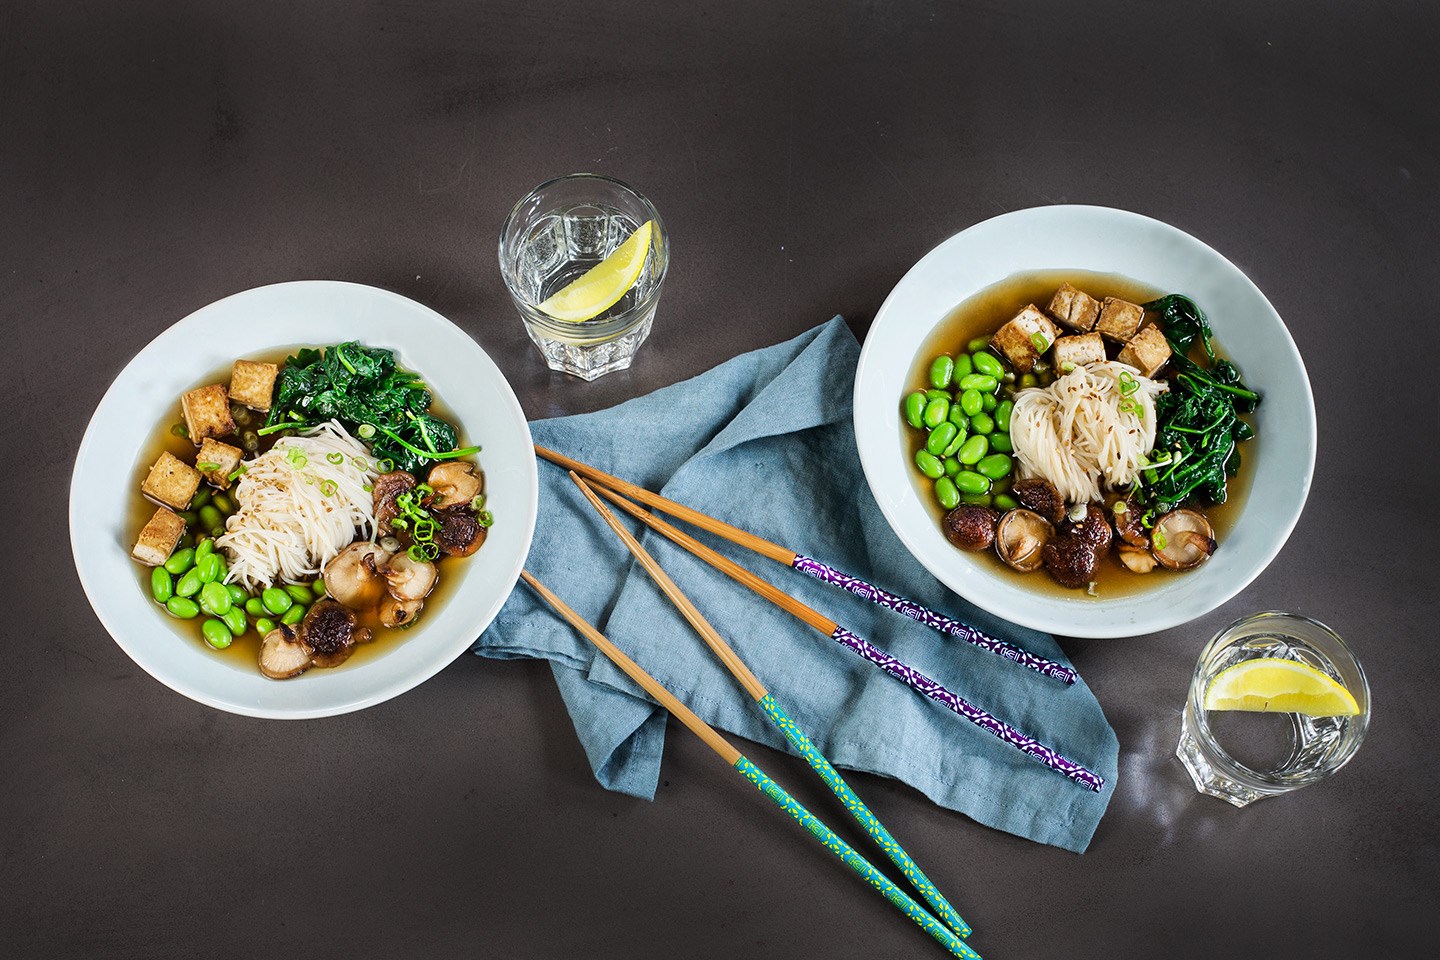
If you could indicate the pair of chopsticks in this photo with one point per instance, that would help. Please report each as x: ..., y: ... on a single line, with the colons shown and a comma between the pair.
x: 948, y: 936
x: 891, y: 665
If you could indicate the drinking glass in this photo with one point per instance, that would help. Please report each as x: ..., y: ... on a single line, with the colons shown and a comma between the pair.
x: 1244, y: 756
x: 554, y: 235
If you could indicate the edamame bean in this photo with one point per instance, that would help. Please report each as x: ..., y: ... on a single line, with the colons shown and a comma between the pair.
x: 973, y: 449
x: 957, y: 416
x: 936, y: 411
x: 1029, y: 380
x: 929, y: 465
x: 1002, y: 414
x: 963, y: 366
x: 189, y: 516
x: 300, y: 593
x: 933, y: 394
x: 946, y: 493
x: 986, y: 363
x: 210, y: 567
x: 186, y: 541
x: 1004, y: 501
x: 981, y: 382
x: 162, y: 585
x: 264, y: 625
x: 294, y: 615
x: 915, y: 409
x: 941, y: 370
x: 211, y: 517
x: 180, y: 561
x: 203, y: 547
x: 976, y: 499
x: 982, y: 423
x: 968, y: 481
x: 988, y: 403
x: 202, y: 497
x: 954, y: 446
x: 189, y: 584
x: 182, y: 608
x: 952, y: 466
x: 277, y: 601
x: 254, y: 607
x: 978, y: 344
x: 217, y: 634
x: 994, y: 466
x: 235, y: 620
x: 318, y: 585
x: 971, y: 402
x: 223, y: 503
x: 238, y: 596
x: 1000, y: 442
x: 215, y: 599
x: 940, y: 438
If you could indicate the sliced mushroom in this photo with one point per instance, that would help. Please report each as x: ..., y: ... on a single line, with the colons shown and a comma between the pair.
x: 460, y: 533
x: 282, y: 655
x: 409, y: 579
x: 1040, y: 495
x: 1136, y: 559
x: 1020, y: 537
x: 396, y: 613
x: 353, y: 577
x: 331, y: 630
x: 384, y: 490
x: 1127, y: 523
x: 1183, y: 539
x: 455, y: 482
x: 1094, y: 528
x: 971, y: 527
x: 1071, y: 559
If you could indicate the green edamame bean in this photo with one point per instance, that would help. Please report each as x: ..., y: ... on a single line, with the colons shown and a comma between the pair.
x: 981, y: 382
x: 300, y: 593
x: 973, y: 449
x: 994, y: 466
x: 941, y: 370
x: 318, y: 585
x: 209, y: 567
x: 1029, y: 380
x: 254, y: 607
x: 204, y: 547
x: 1002, y: 414
x: 202, y: 497
x: 189, y: 584
x: 1002, y: 485
x: 988, y: 403
x: 929, y: 465
x: 223, y: 503
x: 294, y: 615
x: 933, y: 394
x: 957, y: 416
x: 976, y: 345
x: 235, y: 620
x: 963, y: 366
x: 968, y: 481
x: 1004, y: 501
x: 186, y: 541
x: 215, y: 599
x: 189, y: 516
x: 936, y: 411
x: 971, y: 402
x: 162, y: 585
x: 915, y: 409
x: 180, y: 561
x: 986, y: 363
x: 940, y: 438
x: 982, y: 423
x: 277, y: 601
x: 182, y: 608
x: 1000, y: 442
x: 946, y: 493
x: 264, y: 625
x: 238, y: 596
x: 976, y: 499
x: 211, y: 517
x: 217, y: 634
x: 952, y: 466
x: 954, y: 446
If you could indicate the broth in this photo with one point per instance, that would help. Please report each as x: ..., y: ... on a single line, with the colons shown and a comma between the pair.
x: 244, y: 651
x: 981, y: 315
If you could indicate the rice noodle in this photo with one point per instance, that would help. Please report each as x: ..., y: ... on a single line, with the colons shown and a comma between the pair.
x: 1075, y: 434
x: 297, y: 509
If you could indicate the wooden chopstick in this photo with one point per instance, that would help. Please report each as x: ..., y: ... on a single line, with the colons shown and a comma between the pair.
x: 752, y: 772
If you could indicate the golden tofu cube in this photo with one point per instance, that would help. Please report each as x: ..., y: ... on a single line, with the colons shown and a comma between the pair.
x: 1147, y: 351
x: 158, y: 538
x: 1028, y: 335
x: 1071, y: 353
x: 1075, y: 308
x: 207, y: 412
x: 216, y: 461
x: 252, y: 383
x: 1119, y: 319
x: 171, y: 482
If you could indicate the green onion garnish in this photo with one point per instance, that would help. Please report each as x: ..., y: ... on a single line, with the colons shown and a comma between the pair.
x: 366, y: 431
x: 207, y: 466
x: 180, y: 430
x: 384, y: 466
x: 1038, y: 341
x: 1159, y: 537
x: 485, y: 519
x: 328, y: 487
x: 1128, y: 384
x: 237, y: 473
x: 478, y: 503
x: 335, y: 457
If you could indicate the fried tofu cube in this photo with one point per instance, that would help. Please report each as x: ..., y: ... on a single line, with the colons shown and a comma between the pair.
x: 1028, y: 335
x: 207, y: 412
x: 158, y: 538
x: 216, y: 461
x: 1147, y: 351
x: 1075, y: 308
x: 252, y: 383
x: 1073, y: 352
x: 1119, y: 319
x: 171, y: 482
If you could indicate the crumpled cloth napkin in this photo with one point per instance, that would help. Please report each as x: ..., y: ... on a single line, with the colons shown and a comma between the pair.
x: 765, y: 441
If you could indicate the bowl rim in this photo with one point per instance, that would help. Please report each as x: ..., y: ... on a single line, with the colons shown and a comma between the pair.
x: 404, y: 680
x: 1037, y: 616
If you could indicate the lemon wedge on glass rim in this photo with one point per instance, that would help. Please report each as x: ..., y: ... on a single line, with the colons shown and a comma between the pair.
x: 601, y: 287
x: 1272, y: 685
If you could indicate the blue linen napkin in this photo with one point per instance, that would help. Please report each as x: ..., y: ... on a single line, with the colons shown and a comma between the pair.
x: 765, y: 441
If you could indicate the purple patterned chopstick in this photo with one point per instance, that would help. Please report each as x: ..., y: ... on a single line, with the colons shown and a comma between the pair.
x: 915, y: 611
x: 922, y: 684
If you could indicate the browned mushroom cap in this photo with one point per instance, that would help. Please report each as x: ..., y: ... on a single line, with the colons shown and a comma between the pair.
x: 1094, y: 529
x: 385, y: 489
x: 970, y: 526
x: 282, y: 655
x: 455, y: 482
x: 409, y: 579
x: 1183, y: 539
x: 1019, y: 538
x: 1071, y: 559
x: 354, y: 577
x: 1039, y: 495
x: 1136, y: 559
x: 460, y: 533
x: 397, y: 613
x: 1127, y: 523
x: 331, y: 630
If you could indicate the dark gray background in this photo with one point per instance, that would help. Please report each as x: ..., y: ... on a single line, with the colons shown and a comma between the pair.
x: 157, y: 156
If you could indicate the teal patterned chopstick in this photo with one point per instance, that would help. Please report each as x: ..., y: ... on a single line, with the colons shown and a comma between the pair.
x: 922, y: 917
x: 862, y: 815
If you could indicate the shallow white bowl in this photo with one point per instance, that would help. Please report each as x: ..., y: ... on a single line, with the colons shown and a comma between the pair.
x: 1108, y: 241
x: 260, y: 321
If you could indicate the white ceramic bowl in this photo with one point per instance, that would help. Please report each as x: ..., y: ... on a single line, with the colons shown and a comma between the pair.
x: 260, y: 321
x: 1109, y: 241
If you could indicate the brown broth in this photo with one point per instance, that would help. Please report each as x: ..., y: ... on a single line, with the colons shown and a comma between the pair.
x: 984, y: 313
x: 245, y: 650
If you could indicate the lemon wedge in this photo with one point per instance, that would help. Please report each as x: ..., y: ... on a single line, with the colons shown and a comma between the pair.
x: 601, y: 287
x: 1272, y: 685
